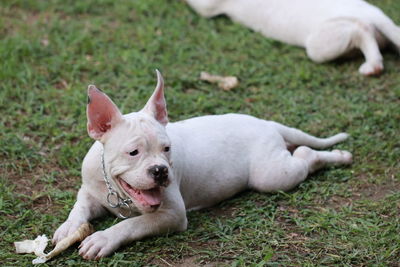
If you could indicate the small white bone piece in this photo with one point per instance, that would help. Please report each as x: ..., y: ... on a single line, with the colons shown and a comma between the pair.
x: 36, y: 246
x: 39, y: 244
x: 226, y: 83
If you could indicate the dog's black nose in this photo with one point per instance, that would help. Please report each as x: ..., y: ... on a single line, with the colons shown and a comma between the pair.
x: 159, y: 174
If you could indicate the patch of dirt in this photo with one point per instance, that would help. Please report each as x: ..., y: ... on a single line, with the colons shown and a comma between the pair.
x: 192, y: 261
x: 366, y: 190
x: 336, y: 202
x: 31, y: 187
x: 225, y: 211
x: 376, y: 192
x: 27, y: 16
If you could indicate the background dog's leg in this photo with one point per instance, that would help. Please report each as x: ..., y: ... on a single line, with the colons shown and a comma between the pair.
x: 286, y: 171
x: 340, y: 36
x: 390, y: 30
x: 369, y: 46
x: 85, y: 209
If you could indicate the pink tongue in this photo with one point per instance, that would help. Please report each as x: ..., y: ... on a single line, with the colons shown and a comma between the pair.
x: 152, y: 196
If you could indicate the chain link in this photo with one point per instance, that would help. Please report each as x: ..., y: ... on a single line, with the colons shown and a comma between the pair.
x: 113, y: 198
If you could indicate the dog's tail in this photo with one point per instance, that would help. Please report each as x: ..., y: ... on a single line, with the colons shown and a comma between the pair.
x: 296, y: 137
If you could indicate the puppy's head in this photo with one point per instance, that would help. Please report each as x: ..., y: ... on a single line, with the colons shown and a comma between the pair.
x: 136, y: 146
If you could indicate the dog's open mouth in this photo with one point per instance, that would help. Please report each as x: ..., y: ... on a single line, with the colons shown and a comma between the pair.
x: 150, y: 197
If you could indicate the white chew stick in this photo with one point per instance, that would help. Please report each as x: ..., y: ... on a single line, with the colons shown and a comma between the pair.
x: 39, y: 244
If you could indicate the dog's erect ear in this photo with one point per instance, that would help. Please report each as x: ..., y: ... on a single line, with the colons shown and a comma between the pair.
x: 156, y: 106
x: 102, y: 113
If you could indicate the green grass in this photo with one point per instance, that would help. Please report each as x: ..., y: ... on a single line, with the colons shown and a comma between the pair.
x: 51, y: 50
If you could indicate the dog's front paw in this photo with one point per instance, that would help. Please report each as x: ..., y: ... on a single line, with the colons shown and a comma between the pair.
x: 98, y: 245
x: 65, y: 229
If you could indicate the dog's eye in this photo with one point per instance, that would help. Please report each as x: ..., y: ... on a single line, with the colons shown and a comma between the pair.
x: 166, y: 149
x: 134, y: 152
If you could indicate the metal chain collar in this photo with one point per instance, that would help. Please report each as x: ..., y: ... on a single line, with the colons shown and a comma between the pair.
x: 113, y: 198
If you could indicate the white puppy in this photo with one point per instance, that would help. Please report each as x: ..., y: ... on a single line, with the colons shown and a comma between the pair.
x: 328, y: 29
x: 152, y: 171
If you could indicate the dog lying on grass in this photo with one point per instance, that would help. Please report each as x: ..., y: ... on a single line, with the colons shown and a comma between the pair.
x: 328, y: 29
x: 151, y: 172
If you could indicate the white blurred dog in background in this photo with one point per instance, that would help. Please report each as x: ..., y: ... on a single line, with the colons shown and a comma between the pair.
x: 328, y: 29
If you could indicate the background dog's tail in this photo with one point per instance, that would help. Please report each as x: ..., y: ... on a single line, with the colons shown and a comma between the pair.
x: 296, y: 137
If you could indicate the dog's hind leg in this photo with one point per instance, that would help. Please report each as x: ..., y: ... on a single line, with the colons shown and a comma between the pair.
x: 285, y: 171
x: 390, y: 30
x: 318, y: 159
x: 338, y: 37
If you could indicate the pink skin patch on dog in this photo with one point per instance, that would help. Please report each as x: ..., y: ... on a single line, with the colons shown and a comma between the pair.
x: 150, y: 197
